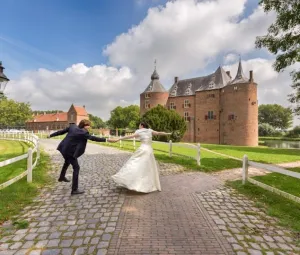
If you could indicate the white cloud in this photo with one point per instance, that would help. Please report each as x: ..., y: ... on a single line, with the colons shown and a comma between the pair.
x: 99, y: 88
x: 186, y: 35
x: 230, y: 58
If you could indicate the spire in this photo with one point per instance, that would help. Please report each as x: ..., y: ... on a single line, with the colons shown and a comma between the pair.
x: 155, y: 75
x: 240, y: 77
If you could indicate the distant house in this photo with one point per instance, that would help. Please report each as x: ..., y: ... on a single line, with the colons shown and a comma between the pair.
x: 59, y: 120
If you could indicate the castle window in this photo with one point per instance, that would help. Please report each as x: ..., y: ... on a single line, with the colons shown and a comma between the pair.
x: 186, y: 116
x: 147, y: 95
x: 210, y: 116
x: 211, y: 85
x: 72, y: 117
x: 147, y: 104
x: 231, y: 117
x: 188, y: 90
x: 186, y: 104
x: 235, y: 88
x: 211, y: 95
x: 172, y: 106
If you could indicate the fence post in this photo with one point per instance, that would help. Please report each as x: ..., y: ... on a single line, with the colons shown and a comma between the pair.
x: 120, y: 142
x: 170, y: 148
x: 198, y: 154
x: 134, y: 143
x: 38, y: 149
x: 245, y: 169
x: 29, y: 165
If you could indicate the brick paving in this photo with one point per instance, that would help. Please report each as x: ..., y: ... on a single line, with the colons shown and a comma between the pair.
x: 169, y: 222
x: 246, y: 227
x: 194, y: 214
x: 64, y: 224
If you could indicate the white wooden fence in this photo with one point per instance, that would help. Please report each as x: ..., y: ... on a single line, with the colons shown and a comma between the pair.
x: 169, y: 148
x: 33, y: 140
x: 271, y: 168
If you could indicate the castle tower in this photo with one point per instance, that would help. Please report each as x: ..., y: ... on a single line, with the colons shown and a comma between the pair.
x: 239, y: 111
x: 154, y: 94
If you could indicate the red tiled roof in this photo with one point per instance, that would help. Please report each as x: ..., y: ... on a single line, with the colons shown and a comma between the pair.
x: 51, y: 117
x: 80, y: 110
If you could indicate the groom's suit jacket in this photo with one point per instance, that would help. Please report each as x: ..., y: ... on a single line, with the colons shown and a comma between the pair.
x: 74, y: 144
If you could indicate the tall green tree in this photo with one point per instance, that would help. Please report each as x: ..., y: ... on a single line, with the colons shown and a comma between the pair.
x: 283, y: 40
x: 47, y: 111
x: 124, y: 117
x: 96, y: 122
x: 275, y: 115
x: 161, y: 119
x: 14, y: 114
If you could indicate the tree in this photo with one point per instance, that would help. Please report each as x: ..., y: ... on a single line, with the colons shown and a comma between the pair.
x: 14, y: 114
x: 96, y: 122
x: 124, y: 117
x: 283, y: 40
x: 294, y: 133
x: 48, y: 111
x: 161, y: 119
x: 265, y: 129
x: 276, y: 115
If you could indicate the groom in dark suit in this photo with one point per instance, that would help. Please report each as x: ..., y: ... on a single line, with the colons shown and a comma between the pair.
x: 72, y: 147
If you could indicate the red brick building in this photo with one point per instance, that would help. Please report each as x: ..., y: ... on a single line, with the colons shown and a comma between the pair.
x: 217, y: 108
x: 56, y: 121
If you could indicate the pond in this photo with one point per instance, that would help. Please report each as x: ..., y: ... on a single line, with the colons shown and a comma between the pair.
x: 282, y: 144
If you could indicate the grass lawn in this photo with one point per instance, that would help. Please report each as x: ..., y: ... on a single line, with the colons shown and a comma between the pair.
x: 209, y: 161
x: 18, y: 195
x: 213, y: 162
x: 285, y: 183
x: 11, y: 149
x: 265, y: 138
x: 258, y: 154
x: 287, y: 211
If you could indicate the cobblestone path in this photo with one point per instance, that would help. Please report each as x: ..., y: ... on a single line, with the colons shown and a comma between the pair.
x: 194, y: 214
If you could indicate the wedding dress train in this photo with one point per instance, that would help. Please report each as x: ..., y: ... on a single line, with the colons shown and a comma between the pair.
x: 140, y: 173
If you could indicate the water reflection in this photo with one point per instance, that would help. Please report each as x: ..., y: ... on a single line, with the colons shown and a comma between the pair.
x: 283, y: 144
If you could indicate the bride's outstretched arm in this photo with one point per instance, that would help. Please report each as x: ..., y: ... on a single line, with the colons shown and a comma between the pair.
x: 160, y: 133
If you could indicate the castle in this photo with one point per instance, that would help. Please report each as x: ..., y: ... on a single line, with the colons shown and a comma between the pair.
x: 217, y: 108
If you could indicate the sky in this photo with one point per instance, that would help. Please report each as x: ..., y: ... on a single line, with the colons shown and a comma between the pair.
x: 101, y: 53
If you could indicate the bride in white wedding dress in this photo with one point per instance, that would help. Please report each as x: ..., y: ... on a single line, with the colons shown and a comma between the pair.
x: 140, y: 173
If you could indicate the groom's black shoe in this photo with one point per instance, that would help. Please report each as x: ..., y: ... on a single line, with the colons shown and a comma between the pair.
x: 77, y: 192
x: 63, y: 180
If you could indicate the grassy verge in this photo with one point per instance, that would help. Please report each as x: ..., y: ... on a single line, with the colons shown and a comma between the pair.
x: 282, y: 182
x: 209, y: 161
x: 287, y: 211
x: 258, y: 154
x: 18, y: 195
x: 11, y: 149
x: 265, y: 138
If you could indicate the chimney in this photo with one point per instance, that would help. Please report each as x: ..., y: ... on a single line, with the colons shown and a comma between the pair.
x: 84, y: 106
x: 176, y: 79
x: 251, y: 76
x: 228, y: 73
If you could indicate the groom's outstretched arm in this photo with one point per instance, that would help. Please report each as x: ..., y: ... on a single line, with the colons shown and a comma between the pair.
x: 60, y: 132
x: 94, y: 138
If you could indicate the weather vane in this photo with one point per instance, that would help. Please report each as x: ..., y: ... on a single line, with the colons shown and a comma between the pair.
x: 155, y: 64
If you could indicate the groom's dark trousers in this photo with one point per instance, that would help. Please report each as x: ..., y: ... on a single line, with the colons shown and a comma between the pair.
x: 72, y: 147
